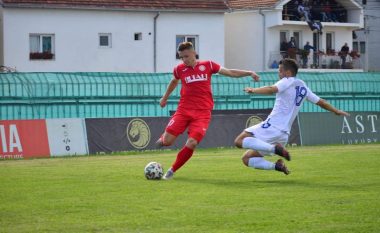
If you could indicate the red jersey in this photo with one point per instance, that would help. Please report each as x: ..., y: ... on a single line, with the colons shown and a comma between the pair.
x: 196, y: 84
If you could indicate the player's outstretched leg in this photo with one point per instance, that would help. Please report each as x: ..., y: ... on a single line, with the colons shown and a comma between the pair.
x: 253, y: 159
x: 158, y: 144
x: 281, y: 151
x: 169, y: 174
x: 280, y: 166
x: 166, y: 139
x: 182, y: 157
x: 254, y: 144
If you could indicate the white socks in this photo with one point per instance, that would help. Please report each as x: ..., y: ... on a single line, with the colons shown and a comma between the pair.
x: 260, y: 163
x: 257, y: 144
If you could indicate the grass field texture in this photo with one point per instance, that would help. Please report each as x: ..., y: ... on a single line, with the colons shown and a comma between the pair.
x: 330, y: 189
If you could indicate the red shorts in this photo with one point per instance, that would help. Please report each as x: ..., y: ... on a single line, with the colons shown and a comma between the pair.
x: 196, y: 121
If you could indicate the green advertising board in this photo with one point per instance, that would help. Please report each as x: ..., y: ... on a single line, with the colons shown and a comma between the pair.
x: 327, y: 128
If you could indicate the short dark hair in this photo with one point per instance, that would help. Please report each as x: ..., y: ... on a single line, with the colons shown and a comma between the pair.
x: 185, y: 45
x: 290, y: 65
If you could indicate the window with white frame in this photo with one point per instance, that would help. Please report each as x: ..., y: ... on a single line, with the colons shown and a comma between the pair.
x: 362, y: 47
x: 105, y: 40
x: 330, y: 41
x: 185, y: 38
x: 138, y: 36
x: 317, y: 41
x: 41, y: 46
x: 284, y: 39
x: 358, y: 46
x: 355, y: 46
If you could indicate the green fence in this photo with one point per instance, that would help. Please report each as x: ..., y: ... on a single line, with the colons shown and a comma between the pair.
x: 109, y: 95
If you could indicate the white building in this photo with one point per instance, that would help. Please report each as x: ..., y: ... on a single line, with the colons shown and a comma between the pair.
x: 98, y: 35
x: 367, y: 42
x: 254, y: 31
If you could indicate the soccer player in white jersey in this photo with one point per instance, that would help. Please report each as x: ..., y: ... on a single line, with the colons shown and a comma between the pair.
x: 270, y: 136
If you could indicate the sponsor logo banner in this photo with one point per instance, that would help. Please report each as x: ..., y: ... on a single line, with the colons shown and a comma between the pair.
x: 124, y: 134
x: 23, y: 139
x: 67, y: 137
x: 327, y: 128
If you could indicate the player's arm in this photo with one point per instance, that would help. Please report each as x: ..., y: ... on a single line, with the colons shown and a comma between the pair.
x: 238, y: 73
x: 172, y: 85
x: 267, y: 90
x: 325, y: 105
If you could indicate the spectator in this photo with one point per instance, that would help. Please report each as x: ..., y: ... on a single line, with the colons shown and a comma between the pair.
x: 292, y: 48
x: 274, y: 65
x: 292, y: 10
x: 341, y: 13
x: 315, y: 10
x: 304, y: 11
x: 292, y: 43
x: 326, y: 10
x: 343, y: 54
x: 331, y: 17
x: 305, y: 57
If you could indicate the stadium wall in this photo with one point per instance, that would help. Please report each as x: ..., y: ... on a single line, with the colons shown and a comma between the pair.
x: 59, y: 114
x: 117, y: 95
x: 65, y: 137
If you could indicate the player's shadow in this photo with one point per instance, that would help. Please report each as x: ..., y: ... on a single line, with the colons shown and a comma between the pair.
x: 262, y: 183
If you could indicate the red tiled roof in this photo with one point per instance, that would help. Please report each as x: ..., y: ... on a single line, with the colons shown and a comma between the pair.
x: 206, y: 5
x: 251, y: 4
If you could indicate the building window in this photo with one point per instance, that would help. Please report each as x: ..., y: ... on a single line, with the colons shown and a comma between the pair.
x: 105, y: 40
x: 193, y: 39
x: 330, y: 43
x: 138, y: 36
x: 284, y: 39
x: 317, y: 41
x: 41, y: 46
x: 355, y: 46
x: 362, y: 47
x: 298, y: 38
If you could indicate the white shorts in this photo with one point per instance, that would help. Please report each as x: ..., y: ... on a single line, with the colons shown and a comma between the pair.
x: 270, y: 135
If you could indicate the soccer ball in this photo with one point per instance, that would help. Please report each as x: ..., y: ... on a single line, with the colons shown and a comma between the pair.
x: 153, y: 171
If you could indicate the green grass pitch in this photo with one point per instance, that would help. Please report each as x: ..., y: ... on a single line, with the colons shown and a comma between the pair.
x: 331, y: 189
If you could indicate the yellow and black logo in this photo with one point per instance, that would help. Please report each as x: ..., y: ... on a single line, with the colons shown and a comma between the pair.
x: 253, y: 120
x: 138, y: 133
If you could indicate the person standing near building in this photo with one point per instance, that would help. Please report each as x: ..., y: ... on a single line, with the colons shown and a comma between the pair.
x: 305, y: 57
x: 343, y: 54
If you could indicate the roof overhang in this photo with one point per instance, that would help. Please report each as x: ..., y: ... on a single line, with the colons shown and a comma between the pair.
x: 130, y: 9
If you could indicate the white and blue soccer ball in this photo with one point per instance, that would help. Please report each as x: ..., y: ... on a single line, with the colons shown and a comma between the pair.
x: 153, y: 171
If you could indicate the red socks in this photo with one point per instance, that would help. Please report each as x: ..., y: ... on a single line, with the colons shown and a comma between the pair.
x: 182, y: 157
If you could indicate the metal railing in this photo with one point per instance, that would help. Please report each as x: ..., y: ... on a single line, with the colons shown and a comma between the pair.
x: 314, y: 60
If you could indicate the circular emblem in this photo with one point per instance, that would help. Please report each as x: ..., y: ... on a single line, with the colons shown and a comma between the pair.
x: 138, y: 133
x: 202, y: 68
x: 253, y: 120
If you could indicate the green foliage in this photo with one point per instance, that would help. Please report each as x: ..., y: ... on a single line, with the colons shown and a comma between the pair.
x: 331, y: 189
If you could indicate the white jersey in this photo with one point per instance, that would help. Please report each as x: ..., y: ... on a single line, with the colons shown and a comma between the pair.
x: 292, y: 92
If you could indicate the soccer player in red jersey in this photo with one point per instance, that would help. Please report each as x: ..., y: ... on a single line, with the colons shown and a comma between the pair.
x: 196, y: 102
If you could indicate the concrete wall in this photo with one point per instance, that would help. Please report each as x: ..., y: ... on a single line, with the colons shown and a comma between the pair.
x: 372, y: 14
x: 244, y: 41
x: 77, y: 39
x: 208, y: 27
